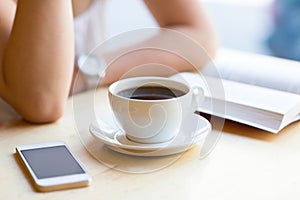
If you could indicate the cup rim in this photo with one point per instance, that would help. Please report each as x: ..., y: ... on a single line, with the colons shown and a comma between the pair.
x: 113, y: 86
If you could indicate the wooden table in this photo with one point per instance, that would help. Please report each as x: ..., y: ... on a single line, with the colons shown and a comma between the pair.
x: 246, y: 163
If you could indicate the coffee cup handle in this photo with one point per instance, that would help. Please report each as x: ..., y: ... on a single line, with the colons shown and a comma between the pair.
x: 198, y: 97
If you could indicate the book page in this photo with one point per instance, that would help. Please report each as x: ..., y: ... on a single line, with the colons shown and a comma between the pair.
x: 257, y: 106
x: 256, y: 69
x: 247, y: 95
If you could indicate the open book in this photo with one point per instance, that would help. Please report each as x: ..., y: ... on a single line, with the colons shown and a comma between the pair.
x: 256, y: 90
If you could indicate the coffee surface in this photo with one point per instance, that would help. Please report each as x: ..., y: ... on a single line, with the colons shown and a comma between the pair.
x: 151, y: 93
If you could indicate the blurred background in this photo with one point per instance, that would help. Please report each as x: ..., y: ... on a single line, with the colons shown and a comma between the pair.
x: 269, y: 27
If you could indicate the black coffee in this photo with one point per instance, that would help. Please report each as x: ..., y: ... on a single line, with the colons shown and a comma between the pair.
x: 151, y: 93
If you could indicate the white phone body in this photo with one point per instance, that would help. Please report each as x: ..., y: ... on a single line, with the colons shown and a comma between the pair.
x: 52, y: 166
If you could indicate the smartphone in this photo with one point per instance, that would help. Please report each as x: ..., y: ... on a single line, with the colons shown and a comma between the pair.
x: 52, y: 166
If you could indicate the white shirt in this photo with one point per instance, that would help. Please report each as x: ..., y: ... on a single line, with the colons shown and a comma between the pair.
x: 89, y: 28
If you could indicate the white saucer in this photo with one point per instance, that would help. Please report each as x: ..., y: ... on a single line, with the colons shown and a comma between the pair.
x: 194, y: 129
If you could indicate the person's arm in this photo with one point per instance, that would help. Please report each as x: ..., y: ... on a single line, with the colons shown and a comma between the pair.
x: 188, y: 17
x: 36, y: 56
x: 187, y: 31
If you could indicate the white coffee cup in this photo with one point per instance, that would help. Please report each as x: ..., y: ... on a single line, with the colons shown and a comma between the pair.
x: 155, y: 120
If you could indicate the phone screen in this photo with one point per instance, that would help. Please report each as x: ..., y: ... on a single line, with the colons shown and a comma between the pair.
x: 48, y: 162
